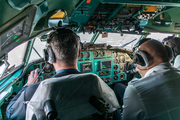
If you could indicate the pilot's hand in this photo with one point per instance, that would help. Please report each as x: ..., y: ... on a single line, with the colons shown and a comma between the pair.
x: 32, y: 77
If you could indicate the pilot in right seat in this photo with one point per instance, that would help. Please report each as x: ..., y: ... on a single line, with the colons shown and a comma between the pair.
x: 155, y: 96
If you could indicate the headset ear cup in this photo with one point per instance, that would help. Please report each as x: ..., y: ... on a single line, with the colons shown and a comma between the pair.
x: 170, y: 53
x: 51, y: 56
x: 141, y: 58
x: 45, y: 55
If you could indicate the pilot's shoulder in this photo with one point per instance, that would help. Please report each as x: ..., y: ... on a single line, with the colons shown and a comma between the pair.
x: 134, y: 80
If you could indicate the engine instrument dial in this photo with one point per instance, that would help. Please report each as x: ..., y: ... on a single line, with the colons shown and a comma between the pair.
x: 114, y: 54
x: 121, y: 59
x: 115, y: 61
x: 115, y: 67
x: 122, y: 76
x: 101, y: 53
x: 121, y: 68
x: 48, y: 68
x: 86, y: 55
x: 95, y: 54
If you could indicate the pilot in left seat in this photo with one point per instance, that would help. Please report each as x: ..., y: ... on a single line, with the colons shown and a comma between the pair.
x: 63, y: 51
x: 66, y: 50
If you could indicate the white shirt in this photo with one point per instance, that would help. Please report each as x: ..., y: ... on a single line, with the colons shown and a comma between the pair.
x: 147, y: 98
x: 177, y: 62
x: 158, y: 68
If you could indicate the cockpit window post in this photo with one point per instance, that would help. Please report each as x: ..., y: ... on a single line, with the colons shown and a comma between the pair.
x: 6, y: 65
x: 94, y: 38
x: 28, y: 51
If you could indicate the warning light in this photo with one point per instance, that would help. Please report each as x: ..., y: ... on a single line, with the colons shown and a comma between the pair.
x: 17, y: 40
x: 15, y: 37
x: 88, y: 1
x: 115, y: 72
x: 115, y: 77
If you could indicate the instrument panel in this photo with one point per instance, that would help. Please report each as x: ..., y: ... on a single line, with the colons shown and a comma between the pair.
x: 46, y: 73
x: 108, y: 64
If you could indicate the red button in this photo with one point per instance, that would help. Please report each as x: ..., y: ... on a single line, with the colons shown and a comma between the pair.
x: 88, y: 1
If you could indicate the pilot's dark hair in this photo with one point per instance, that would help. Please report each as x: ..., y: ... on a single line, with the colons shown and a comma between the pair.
x: 167, y: 38
x: 65, y: 45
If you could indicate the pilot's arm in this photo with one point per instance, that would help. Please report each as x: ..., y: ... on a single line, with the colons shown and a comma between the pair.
x: 16, y: 109
x: 133, y: 108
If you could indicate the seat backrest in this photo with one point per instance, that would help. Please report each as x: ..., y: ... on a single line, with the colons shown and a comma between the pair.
x: 71, y: 96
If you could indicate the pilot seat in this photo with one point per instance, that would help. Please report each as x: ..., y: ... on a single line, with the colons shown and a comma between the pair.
x: 71, y: 97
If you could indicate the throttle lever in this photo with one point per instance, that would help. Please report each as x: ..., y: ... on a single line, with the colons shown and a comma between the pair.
x: 37, y: 70
x: 127, y: 65
x: 39, y: 73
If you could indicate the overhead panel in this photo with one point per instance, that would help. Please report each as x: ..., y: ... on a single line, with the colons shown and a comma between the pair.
x: 112, y: 18
x: 84, y: 11
x: 145, y: 2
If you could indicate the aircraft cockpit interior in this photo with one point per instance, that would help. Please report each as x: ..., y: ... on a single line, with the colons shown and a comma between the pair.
x: 25, y: 25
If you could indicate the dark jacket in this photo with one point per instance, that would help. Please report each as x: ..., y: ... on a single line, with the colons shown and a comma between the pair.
x: 16, y: 110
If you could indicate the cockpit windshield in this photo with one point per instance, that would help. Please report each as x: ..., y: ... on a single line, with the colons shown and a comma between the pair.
x: 158, y: 36
x: 37, y: 49
x: 113, y: 39
x: 14, y: 57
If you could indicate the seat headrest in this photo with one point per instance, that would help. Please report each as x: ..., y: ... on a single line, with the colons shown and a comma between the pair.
x: 71, y: 95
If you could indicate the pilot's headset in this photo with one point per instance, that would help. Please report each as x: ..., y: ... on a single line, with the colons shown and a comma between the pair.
x: 142, y: 57
x: 48, y: 53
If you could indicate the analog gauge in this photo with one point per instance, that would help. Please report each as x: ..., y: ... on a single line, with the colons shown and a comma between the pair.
x: 122, y: 76
x: 114, y: 54
x: 86, y: 55
x: 115, y: 61
x: 121, y: 59
x: 108, y: 53
x: 48, y: 68
x: 95, y: 54
x: 101, y: 53
x: 121, y: 68
x: 115, y: 67
x: 81, y: 55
